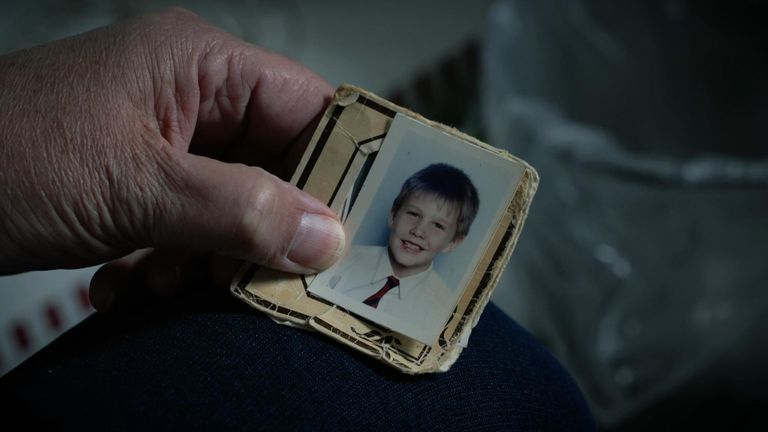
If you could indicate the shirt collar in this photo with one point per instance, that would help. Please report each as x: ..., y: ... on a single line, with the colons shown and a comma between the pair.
x: 384, y: 269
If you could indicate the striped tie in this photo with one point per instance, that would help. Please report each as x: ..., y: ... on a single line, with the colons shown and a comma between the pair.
x: 373, y: 301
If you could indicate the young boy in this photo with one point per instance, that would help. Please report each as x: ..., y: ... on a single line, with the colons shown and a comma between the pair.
x: 431, y: 215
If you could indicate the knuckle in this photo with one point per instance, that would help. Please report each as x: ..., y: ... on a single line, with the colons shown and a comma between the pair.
x: 262, y: 201
x: 260, y: 220
x: 176, y: 13
x: 172, y: 27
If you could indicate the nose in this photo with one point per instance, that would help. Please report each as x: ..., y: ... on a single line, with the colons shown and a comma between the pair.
x: 418, y: 229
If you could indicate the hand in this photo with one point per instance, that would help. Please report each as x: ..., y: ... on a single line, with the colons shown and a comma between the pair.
x: 125, y: 138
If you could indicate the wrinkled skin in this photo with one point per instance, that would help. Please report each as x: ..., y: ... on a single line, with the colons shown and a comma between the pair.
x: 123, y: 142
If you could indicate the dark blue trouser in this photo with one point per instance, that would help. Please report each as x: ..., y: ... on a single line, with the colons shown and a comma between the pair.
x: 205, y: 360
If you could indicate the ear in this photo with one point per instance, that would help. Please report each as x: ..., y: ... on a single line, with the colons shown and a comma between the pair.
x: 452, y: 245
x: 390, y: 219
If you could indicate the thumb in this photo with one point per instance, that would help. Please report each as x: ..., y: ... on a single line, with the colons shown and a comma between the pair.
x: 246, y: 213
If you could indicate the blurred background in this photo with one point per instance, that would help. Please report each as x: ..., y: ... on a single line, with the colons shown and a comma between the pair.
x: 642, y: 265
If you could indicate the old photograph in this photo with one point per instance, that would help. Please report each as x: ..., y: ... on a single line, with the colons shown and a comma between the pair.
x: 418, y: 228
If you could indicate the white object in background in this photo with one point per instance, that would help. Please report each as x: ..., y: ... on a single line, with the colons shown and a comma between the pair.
x: 37, y: 307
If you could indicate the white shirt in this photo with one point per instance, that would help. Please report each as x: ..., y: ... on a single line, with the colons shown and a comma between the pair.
x: 421, y: 299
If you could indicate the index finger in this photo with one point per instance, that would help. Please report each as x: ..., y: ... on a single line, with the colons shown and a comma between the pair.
x: 269, y: 99
x: 222, y: 91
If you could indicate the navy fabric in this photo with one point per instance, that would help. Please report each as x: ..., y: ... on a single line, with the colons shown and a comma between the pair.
x: 205, y: 360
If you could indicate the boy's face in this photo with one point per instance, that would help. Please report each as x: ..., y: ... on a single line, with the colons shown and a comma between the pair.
x: 423, y: 227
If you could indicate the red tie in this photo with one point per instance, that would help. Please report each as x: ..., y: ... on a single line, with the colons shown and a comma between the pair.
x: 373, y: 301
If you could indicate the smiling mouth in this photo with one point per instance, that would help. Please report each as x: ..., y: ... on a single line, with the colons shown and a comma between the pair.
x: 411, y: 246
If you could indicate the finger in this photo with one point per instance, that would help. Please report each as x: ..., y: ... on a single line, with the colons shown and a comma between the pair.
x: 244, y: 212
x: 223, y: 269
x: 120, y: 282
x: 164, y: 270
x: 282, y: 164
x: 145, y: 275
x: 250, y: 95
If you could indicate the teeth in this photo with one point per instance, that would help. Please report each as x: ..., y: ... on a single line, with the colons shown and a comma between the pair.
x: 411, y: 246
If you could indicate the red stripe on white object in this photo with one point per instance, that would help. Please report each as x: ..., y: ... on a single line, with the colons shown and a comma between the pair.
x: 21, y: 337
x: 36, y: 308
x: 83, y: 299
x: 53, y: 316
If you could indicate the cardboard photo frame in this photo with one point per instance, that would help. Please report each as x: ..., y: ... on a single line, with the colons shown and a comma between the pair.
x: 334, y: 169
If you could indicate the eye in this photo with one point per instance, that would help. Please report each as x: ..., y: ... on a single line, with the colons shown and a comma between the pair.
x: 411, y: 213
x: 439, y: 226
